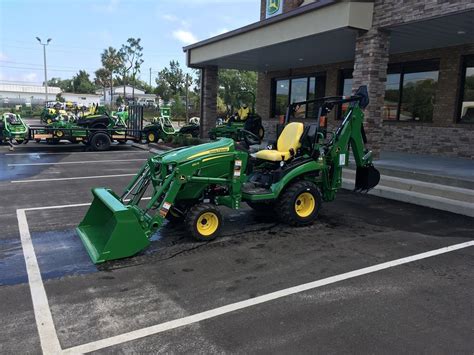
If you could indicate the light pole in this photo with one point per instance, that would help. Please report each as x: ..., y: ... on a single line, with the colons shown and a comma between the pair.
x: 45, y: 72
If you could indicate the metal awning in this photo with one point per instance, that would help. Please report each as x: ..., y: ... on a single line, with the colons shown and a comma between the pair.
x: 437, y: 32
x: 319, y: 33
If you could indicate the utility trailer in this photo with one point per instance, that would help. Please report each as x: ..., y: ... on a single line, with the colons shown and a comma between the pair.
x: 98, y: 138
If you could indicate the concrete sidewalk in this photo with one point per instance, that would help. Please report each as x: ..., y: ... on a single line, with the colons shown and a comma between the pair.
x: 437, y: 182
x: 434, y: 166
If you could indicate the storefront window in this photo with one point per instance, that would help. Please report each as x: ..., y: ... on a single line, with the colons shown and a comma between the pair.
x: 281, y: 96
x: 467, y: 91
x: 345, y: 89
x: 410, y: 91
x: 299, y: 92
x: 392, y: 97
x: 295, y: 90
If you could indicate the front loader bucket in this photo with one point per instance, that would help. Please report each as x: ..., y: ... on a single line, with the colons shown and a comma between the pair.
x: 367, y: 178
x: 110, y: 230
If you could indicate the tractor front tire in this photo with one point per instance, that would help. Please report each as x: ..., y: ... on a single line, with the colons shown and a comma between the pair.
x: 204, y: 222
x: 299, y: 204
x: 100, y: 142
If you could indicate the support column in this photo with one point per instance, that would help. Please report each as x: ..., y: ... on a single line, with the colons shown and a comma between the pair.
x: 208, y: 99
x: 370, y: 68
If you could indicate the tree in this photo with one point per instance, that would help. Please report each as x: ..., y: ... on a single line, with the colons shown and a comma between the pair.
x: 231, y: 82
x: 111, y: 61
x: 64, y: 85
x: 101, y: 80
x: 131, y: 55
x: 170, y: 81
x: 60, y: 98
x: 82, y: 84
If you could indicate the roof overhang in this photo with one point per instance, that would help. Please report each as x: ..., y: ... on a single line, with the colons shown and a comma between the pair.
x: 436, y: 32
x: 319, y: 33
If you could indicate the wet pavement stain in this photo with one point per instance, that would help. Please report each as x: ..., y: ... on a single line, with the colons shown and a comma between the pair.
x: 12, y: 262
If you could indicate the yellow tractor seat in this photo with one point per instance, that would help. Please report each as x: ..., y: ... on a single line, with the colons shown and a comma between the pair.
x: 287, y: 144
x: 243, y: 113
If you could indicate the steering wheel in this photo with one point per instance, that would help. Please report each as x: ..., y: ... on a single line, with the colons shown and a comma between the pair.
x: 250, y: 138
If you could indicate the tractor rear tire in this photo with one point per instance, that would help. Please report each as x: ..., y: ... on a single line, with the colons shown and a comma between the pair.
x: 299, y: 204
x: 100, y: 142
x: 152, y: 136
x: 204, y: 222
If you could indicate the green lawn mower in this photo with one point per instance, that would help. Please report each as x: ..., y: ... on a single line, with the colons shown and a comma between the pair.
x: 13, y: 129
x: 292, y: 180
x: 244, y: 118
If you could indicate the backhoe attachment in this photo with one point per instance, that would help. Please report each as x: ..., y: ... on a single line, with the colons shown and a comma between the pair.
x: 367, y: 177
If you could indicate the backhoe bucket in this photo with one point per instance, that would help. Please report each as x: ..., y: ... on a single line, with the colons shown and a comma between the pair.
x: 110, y: 230
x: 367, y: 178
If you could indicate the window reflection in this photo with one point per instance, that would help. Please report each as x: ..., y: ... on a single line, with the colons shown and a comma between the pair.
x: 467, y: 97
x: 281, y: 97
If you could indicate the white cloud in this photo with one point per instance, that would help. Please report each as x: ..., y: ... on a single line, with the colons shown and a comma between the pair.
x: 184, y: 36
x: 3, y: 56
x: 218, y: 32
x: 109, y: 7
x: 175, y: 19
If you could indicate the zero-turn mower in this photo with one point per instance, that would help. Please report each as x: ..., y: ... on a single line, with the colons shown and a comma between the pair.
x: 244, y: 119
x: 13, y: 129
x: 294, y: 178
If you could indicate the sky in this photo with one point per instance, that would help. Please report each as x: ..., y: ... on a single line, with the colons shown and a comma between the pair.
x: 81, y: 29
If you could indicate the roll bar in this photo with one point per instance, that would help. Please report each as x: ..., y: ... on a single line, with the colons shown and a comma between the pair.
x: 361, y: 97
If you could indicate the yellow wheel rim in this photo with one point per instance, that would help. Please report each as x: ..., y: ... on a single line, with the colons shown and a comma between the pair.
x: 207, y: 223
x: 49, y: 121
x: 59, y: 133
x: 151, y: 137
x: 305, y: 204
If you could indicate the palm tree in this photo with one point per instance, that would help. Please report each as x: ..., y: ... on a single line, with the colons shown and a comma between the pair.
x: 112, y: 61
x: 102, y: 76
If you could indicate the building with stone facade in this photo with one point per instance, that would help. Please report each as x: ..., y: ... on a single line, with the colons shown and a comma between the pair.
x: 416, y: 57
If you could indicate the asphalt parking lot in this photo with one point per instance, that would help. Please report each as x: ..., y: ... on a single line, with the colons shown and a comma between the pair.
x: 359, y: 280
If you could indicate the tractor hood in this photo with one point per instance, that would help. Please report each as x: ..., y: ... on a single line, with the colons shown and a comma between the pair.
x: 223, y: 145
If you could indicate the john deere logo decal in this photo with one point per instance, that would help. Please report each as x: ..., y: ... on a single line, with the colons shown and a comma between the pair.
x: 273, y: 7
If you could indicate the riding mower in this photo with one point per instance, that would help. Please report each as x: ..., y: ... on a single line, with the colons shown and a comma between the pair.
x: 303, y: 170
x: 13, y: 128
x: 163, y: 129
x: 244, y: 118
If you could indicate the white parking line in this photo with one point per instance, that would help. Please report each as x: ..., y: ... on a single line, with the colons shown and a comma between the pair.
x: 44, y: 320
x: 78, y: 162
x: 72, y: 205
x: 47, y: 331
x: 198, y: 317
x: 72, y: 178
x: 73, y: 153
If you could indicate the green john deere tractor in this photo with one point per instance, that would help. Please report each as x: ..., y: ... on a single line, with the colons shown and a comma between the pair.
x: 162, y: 128
x: 13, y: 129
x: 293, y: 179
x: 244, y: 119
